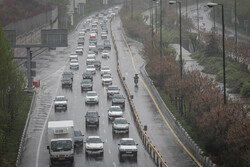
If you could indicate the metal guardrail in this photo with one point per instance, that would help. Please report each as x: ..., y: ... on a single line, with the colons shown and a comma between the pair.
x: 154, y: 154
x: 20, y: 150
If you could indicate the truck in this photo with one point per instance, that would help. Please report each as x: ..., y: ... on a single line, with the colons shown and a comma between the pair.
x: 61, y: 141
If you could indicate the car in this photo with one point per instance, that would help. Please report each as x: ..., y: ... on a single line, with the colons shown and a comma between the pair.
x: 111, y: 90
x: 106, y: 79
x: 89, y: 20
x: 90, y: 60
x: 118, y: 100
x: 79, y: 50
x: 66, y: 82
x: 97, y: 64
x: 91, y: 98
x: 120, y: 125
x: 60, y: 102
x: 94, y: 145
x: 82, y: 33
x: 91, y: 54
x: 86, y: 84
x: 91, y: 68
x: 73, y: 56
x: 74, y: 64
x: 92, y: 118
x: 114, y: 112
x: 127, y: 146
x: 87, y: 75
x: 80, y: 42
x: 105, y: 70
x: 106, y: 44
x: 91, y: 46
x: 68, y: 75
x: 105, y: 54
x: 112, y: 14
x: 78, y: 137
x: 99, y: 48
x: 104, y: 35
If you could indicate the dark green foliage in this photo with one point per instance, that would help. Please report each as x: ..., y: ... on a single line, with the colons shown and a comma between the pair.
x: 212, y: 48
x: 245, y: 90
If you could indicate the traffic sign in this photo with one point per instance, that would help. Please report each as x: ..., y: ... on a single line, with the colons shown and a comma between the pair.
x: 246, y: 23
x: 54, y: 38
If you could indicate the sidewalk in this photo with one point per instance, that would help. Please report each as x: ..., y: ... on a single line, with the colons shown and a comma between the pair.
x: 162, y: 128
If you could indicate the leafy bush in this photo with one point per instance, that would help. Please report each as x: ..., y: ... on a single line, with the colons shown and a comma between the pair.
x: 245, y: 90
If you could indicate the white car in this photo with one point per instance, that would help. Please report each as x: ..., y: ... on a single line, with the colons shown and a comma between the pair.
x: 91, y: 68
x: 104, y: 35
x: 90, y: 60
x: 106, y: 79
x: 127, y: 147
x: 120, y: 125
x: 111, y: 90
x: 105, y: 70
x: 74, y: 64
x: 92, y: 46
x: 81, y: 33
x: 94, y: 145
x: 79, y: 50
x: 89, y: 20
x: 91, y: 53
x: 91, y: 98
x: 114, y: 112
x: 105, y: 54
x: 73, y: 56
x: 60, y: 102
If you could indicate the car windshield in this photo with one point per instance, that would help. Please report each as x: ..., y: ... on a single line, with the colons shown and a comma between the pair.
x: 92, y: 114
x: 61, y: 145
x: 90, y: 66
x: 105, y: 68
x: 112, y: 88
x: 127, y: 142
x: 105, y: 51
x: 87, y: 73
x: 106, y: 76
x: 91, y: 94
x: 94, y: 140
x: 78, y: 133
x: 60, y: 98
x: 115, y: 108
x: 120, y: 121
x: 118, y: 97
x: 66, y: 79
x: 86, y: 81
x: 74, y: 61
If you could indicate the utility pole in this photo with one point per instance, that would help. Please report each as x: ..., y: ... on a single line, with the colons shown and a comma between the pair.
x: 236, y: 37
x: 161, y: 28
x: 132, y: 3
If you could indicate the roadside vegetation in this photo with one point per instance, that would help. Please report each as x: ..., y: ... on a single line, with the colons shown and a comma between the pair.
x: 222, y: 131
x: 14, y: 105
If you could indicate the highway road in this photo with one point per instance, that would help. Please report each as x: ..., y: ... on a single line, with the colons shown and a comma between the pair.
x: 51, y: 65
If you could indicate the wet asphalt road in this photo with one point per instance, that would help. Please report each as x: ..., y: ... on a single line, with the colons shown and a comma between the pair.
x: 50, y: 66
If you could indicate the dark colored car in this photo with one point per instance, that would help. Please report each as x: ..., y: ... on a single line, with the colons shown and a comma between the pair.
x: 87, y: 75
x: 68, y: 75
x: 107, y: 44
x: 92, y: 118
x: 118, y: 100
x: 78, y: 137
x: 66, y: 83
x: 100, y: 48
x: 97, y: 64
x: 86, y: 84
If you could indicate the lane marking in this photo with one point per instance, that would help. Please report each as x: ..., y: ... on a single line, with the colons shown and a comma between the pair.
x: 45, y: 123
x: 109, y: 151
x: 114, y: 164
x: 104, y: 131
x: 106, y: 140
x: 158, y: 108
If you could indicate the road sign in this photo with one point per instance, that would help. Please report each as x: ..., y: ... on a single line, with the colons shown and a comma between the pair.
x: 32, y: 64
x: 11, y: 35
x: 54, y: 38
x: 33, y: 73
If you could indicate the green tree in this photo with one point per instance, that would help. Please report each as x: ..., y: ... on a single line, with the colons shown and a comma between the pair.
x: 245, y: 90
x: 212, y: 49
x: 11, y: 90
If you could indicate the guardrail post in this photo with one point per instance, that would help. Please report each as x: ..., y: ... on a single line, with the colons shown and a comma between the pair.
x: 157, y: 161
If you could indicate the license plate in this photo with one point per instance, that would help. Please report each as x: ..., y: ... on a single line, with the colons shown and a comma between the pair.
x: 128, y: 152
x: 61, y: 158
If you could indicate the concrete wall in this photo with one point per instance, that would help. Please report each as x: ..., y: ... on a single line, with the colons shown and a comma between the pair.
x: 28, y: 31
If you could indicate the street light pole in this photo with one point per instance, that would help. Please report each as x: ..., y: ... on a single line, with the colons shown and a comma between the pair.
x: 156, y: 13
x: 174, y: 2
x: 198, y: 26
x: 235, y: 22
x: 132, y: 9
x: 161, y: 28
x: 223, y: 47
x: 214, y: 18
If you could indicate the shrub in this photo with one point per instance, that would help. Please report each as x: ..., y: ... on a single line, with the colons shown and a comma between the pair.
x: 245, y: 90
